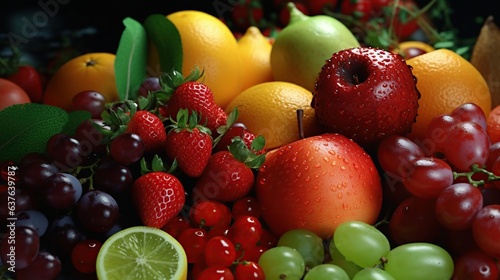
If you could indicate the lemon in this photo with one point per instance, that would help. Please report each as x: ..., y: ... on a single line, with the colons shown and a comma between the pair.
x: 141, y: 252
x: 255, y: 53
x: 270, y: 109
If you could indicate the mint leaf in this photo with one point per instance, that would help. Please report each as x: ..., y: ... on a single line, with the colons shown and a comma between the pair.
x: 27, y: 127
x: 131, y: 60
x: 75, y: 118
x: 167, y: 40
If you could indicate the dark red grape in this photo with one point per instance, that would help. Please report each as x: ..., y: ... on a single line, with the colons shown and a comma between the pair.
x: 113, y: 177
x: 26, y: 199
x: 127, y: 148
x: 414, y: 220
x: 490, y: 196
x: 395, y: 154
x: 427, y: 177
x: 62, y: 235
x: 90, y: 101
x: 470, y: 112
x: 62, y: 191
x: 65, y: 151
x: 34, y: 174
x: 486, y: 230
x: 457, y: 205
x: 97, y: 211
x: 475, y: 265
x: 150, y: 84
x: 467, y: 144
x: 20, y: 248
x: 45, y: 267
x: 437, y: 133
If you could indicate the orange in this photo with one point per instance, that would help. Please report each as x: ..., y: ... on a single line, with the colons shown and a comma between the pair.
x: 91, y: 71
x: 270, y: 109
x: 207, y: 43
x: 255, y: 53
x: 445, y: 80
x: 493, y: 124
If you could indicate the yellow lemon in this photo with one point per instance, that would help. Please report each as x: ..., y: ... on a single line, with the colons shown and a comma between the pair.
x: 255, y: 53
x: 270, y: 109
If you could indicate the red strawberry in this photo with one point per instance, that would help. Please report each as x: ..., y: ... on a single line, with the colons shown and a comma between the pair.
x: 195, y: 96
x: 25, y: 76
x: 150, y: 128
x: 229, y: 175
x: 158, y: 197
x: 231, y: 130
x: 189, y: 143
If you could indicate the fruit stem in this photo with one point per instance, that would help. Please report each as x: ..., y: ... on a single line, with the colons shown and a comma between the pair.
x: 295, y: 14
x: 300, y: 122
x: 476, y: 169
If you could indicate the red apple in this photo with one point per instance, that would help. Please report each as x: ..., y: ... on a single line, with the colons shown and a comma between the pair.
x: 316, y: 183
x: 366, y: 94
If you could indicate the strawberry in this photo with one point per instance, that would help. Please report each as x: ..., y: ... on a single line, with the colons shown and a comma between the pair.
x: 150, y: 128
x: 189, y: 143
x: 229, y: 175
x: 231, y: 130
x: 25, y: 76
x: 188, y: 93
x: 158, y: 197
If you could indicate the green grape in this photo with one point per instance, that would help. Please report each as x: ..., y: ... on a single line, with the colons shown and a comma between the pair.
x: 307, y: 243
x: 338, y: 259
x: 326, y: 272
x: 372, y: 273
x: 282, y: 262
x: 361, y: 243
x: 419, y: 260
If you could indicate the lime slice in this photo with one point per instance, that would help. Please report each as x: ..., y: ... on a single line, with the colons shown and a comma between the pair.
x: 141, y: 252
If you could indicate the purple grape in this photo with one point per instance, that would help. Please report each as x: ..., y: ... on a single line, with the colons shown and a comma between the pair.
x: 20, y: 247
x: 62, y: 191
x: 150, y: 84
x: 66, y: 151
x: 45, y: 267
x: 33, y: 219
x: 127, y: 148
x: 113, y: 177
x: 97, y: 211
x: 34, y: 174
x: 62, y: 235
x: 90, y: 101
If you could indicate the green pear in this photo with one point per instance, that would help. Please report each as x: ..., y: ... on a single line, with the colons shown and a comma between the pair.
x: 302, y: 47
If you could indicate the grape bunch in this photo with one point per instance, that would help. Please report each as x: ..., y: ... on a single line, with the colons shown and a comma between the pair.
x: 445, y: 188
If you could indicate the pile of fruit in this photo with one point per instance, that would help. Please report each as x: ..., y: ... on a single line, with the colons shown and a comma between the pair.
x: 196, y: 152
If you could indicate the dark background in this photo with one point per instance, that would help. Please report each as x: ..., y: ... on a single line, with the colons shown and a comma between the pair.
x: 97, y: 25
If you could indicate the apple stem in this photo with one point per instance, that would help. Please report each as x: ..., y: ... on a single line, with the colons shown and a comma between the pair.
x: 356, y: 79
x: 300, y: 119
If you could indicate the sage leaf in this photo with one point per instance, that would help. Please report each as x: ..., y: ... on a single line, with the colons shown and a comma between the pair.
x: 163, y: 34
x: 131, y: 59
x: 26, y: 128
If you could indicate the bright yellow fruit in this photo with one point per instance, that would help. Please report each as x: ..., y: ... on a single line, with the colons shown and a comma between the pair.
x: 255, y: 53
x: 207, y: 43
x: 270, y: 109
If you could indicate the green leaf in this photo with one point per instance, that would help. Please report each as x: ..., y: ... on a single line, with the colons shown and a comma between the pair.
x: 75, y: 119
x: 26, y: 128
x: 163, y: 34
x: 131, y: 59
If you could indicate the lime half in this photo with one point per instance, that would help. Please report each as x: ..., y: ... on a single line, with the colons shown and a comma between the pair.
x: 141, y: 252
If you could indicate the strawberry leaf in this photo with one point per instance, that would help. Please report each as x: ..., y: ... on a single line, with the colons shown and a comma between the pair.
x: 131, y: 59
x: 165, y: 36
x: 27, y: 128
